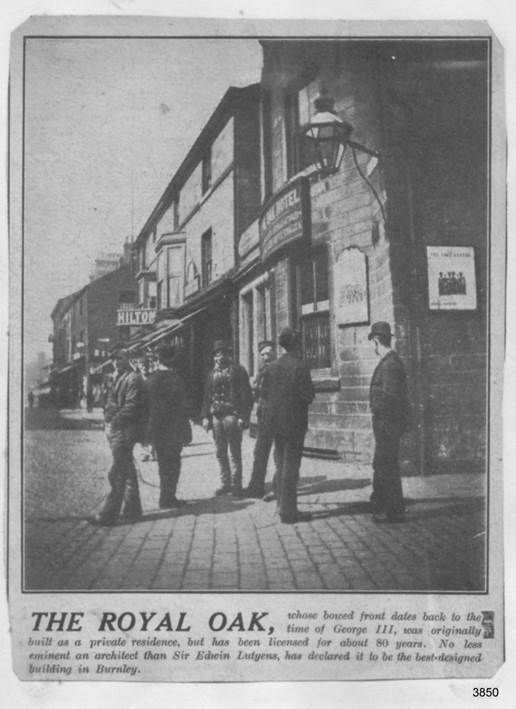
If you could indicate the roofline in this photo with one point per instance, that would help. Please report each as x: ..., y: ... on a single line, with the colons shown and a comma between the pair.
x: 223, y: 111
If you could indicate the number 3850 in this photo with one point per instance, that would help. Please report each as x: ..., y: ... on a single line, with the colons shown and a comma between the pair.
x: 485, y: 691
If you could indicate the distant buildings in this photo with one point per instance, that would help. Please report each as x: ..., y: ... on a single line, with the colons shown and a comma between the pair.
x: 85, y: 328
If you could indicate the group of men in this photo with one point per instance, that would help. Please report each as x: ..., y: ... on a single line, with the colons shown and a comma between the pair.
x: 282, y: 390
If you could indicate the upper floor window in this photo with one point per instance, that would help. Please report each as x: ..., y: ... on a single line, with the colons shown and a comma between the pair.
x: 206, y: 171
x: 206, y: 258
x: 299, y: 109
x: 175, y: 208
x: 175, y: 278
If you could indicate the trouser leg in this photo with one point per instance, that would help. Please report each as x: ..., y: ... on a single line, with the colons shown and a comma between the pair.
x: 234, y: 438
x: 221, y: 446
x: 132, y: 506
x: 291, y: 451
x: 169, y: 466
x: 262, y: 451
x: 387, y: 494
x: 117, y: 476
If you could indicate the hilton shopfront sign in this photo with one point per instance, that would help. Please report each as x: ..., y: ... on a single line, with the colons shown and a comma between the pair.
x: 286, y: 218
x: 138, y: 316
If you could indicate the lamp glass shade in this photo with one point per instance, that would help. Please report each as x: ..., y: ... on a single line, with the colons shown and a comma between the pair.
x: 326, y: 137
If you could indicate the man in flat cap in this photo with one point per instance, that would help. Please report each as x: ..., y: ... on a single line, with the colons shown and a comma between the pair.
x: 265, y: 436
x: 124, y: 414
x: 288, y: 390
x: 226, y: 408
x: 169, y: 427
x: 388, y: 399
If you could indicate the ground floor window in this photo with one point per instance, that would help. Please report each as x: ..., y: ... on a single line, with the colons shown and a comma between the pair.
x: 256, y: 321
x: 313, y: 305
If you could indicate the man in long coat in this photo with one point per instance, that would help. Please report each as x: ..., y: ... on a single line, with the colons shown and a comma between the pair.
x: 169, y: 427
x: 288, y: 390
x: 124, y: 413
x: 388, y: 400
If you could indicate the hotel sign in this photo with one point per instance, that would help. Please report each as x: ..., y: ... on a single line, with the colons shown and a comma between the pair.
x: 138, y: 316
x: 286, y: 218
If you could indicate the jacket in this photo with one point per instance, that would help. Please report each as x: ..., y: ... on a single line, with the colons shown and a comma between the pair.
x: 126, y: 406
x: 240, y: 395
x: 288, y: 391
x: 168, y: 408
x: 388, y: 394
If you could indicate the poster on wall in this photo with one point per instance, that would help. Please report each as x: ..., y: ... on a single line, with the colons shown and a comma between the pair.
x: 351, y: 288
x: 451, y: 278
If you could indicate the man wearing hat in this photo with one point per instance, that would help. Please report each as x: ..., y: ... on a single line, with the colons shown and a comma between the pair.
x: 265, y: 437
x: 226, y: 408
x: 288, y: 390
x: 124, y: 414
x: 169, y: 427
x: 388, y: 399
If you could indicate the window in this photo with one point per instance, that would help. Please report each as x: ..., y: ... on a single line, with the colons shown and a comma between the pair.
x: 206, y: 171
x: 126, y: 298
x: 176, y: 213
x: 161, y: 281
x: 175, y: 271
x: 314, y: 309
x: 299, y: 109
x: 256, y: 321
x: 206, y: 258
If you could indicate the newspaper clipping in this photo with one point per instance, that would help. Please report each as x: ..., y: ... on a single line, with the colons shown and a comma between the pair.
x: 256, y: 318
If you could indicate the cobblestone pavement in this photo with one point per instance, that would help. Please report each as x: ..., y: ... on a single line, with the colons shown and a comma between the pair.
x: 227, y: 544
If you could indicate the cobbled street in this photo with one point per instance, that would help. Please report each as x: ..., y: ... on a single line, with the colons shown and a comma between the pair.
x: 228, y: 544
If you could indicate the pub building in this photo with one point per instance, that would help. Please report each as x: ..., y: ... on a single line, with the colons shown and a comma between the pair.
x: 374, y: 184
x: 188, y: 250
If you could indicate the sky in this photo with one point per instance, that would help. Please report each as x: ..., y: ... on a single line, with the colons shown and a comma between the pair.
x: 107, y: 123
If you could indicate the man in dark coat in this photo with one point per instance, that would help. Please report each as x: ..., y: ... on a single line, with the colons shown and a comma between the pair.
x: 123, y: 414
x: 169, y: 427
x: 288, y: 390
x: 226, y: 408
x: 388, y: 399
x: 264, y: 437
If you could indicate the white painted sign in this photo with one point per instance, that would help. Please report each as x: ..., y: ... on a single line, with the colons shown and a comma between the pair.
x: 451, y: 278
x: 138, y: 316
x: 351, y: 289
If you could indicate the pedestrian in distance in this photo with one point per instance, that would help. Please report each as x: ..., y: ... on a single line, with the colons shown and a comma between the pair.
x: 289, y: 391
x: 125, y: 415
x: 169, y: 426
x: 264, y: 437
x: 226, y: 408
x: 388, y: 400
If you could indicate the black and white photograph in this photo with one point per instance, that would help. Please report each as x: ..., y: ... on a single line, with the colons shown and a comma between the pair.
x: 196, y: 416
x: 256, y: 328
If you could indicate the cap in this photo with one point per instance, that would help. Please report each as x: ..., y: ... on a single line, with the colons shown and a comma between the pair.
x: 380, y: 328
x: 167, y: 354
x: 219, y: 345
x: 289, y: 339
x: 265, y: 343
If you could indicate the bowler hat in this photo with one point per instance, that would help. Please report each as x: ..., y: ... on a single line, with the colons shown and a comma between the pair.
x: 167, y: 354
x: 380, y: 328
x: 220, y: 345
x: 265, y: 343
x: 289, y: 339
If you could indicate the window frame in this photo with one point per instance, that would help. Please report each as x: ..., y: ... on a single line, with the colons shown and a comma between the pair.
x: 206, y: 263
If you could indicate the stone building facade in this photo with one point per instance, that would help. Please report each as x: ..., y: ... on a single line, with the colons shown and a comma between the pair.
x: 373, y: 241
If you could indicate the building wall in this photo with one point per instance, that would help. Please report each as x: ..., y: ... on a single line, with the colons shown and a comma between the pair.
x: 217, y: 214
x: 424, y: 118
x: 103, y: 295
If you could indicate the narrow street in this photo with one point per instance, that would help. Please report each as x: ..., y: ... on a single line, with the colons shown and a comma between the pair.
x: 227, y: 544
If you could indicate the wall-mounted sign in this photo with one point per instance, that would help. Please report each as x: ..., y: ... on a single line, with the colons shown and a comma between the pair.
x: 351, y: 288
x: 451, y: 278
x: 286, y: 218
x: 136, y: 316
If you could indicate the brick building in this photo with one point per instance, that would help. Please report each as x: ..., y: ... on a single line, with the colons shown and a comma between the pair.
x: 400, y: 237
x: 85, y: 327
x: 187, y: 251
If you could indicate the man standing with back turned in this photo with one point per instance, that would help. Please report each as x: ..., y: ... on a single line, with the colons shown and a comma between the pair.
x: 289, y: 391
x: 388, y: 399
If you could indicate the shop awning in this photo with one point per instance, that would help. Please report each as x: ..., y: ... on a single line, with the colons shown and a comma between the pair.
x: 171, y: 327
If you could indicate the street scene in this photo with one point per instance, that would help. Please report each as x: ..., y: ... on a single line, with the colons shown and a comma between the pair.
x: 224, y: 544
x: 256, y: 339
